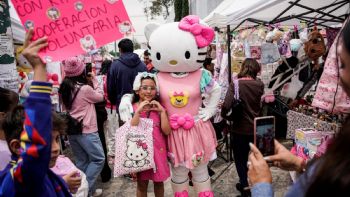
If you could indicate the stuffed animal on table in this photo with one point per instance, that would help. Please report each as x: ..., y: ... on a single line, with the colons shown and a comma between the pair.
x: 178, y: 50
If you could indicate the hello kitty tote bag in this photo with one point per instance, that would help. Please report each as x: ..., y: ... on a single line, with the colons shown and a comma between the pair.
x: 134, y: 148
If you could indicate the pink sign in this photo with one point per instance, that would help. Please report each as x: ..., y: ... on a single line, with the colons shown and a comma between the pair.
x: 73, y: 27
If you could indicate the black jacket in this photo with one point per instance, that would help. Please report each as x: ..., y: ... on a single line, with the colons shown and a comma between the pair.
x: 121, y: 76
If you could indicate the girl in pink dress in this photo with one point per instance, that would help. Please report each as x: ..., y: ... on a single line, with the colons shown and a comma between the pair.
x: 145, y: 106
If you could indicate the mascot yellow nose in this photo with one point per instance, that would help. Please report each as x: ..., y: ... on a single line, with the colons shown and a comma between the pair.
x: 173, y: 62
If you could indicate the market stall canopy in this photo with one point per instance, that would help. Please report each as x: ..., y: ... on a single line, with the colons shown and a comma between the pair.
x: 217, y: 17
x: 286, y: 12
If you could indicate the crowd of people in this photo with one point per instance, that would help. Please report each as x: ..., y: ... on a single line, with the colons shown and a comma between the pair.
x: 30, y: 135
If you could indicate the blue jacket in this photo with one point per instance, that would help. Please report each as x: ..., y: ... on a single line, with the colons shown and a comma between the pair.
x: 29, y: 175
x: 121, y: 76
x: 298, y: 189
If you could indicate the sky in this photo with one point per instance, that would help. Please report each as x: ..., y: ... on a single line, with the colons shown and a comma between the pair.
x: 138, y: 18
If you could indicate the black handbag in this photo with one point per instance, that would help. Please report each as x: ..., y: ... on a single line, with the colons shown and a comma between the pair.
x: 74, y: 126
x: 236, y: 112
x: 101, y: 112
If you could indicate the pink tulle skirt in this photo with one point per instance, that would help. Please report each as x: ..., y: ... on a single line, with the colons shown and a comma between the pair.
x: 189, y: 148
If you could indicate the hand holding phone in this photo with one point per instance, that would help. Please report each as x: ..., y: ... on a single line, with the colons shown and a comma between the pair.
x: 264, y: 134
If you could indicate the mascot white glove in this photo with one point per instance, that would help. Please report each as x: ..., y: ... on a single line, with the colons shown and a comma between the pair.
x: 125, y: 107
x: 212, y: 101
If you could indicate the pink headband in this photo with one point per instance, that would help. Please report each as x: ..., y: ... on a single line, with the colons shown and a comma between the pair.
x: 203, y: 34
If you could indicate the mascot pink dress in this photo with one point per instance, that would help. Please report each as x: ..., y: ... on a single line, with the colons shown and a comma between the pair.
x: 178, y: 50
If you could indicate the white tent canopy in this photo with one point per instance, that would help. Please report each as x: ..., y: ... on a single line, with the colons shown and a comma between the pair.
x: 233, y: 12
x: 217, y: 16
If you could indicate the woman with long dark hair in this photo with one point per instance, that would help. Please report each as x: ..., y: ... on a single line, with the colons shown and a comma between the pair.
x: 327, y: 176
x: 79, y: 92
x: 250, y: 91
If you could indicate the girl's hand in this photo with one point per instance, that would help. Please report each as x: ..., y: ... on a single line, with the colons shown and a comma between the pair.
x: 143, y: 106
x: 32, y: 48
x: 73, y: 181
x: 156, y: 106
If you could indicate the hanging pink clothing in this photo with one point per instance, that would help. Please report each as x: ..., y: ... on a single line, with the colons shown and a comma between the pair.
x: 191, y: 141
x: 160, y: 151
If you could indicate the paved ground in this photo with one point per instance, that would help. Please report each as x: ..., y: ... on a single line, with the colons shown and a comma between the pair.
x: 223, y: 182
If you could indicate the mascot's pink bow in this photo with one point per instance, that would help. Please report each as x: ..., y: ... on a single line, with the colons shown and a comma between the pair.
x: 203, y: 34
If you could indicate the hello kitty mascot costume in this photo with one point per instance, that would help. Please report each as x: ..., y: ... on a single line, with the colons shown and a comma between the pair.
x: 178, y: 50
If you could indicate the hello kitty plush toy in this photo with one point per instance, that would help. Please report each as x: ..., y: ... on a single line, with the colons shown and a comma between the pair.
x: 178, y: 50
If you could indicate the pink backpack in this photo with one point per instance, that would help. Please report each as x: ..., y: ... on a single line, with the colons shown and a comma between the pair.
x: 134, y: 148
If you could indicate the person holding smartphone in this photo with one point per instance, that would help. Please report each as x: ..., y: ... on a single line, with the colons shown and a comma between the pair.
x: 250, y: 91
x: 327, y: 176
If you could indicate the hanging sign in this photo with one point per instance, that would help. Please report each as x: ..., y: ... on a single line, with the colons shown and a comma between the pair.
x: 73, y: 27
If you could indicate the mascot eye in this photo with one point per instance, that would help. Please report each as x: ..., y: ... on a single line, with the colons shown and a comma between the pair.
x: 158, y: 56
x: 141, y: 154
x: 187, y: 55
x: 130, y: 154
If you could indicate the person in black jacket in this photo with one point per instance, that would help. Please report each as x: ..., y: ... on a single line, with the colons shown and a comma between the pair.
x: 123, y: 71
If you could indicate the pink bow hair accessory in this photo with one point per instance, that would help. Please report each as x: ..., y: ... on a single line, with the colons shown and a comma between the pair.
x: 177, y: 121
x: 179, y: 94
x: 203, y: 34
x: 139, y: 143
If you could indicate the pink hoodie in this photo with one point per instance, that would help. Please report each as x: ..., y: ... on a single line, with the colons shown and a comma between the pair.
x: 83, y: 106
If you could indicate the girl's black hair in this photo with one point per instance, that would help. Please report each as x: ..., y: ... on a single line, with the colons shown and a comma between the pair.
x: 136, y: 97
x: 345, y: 36
x: 344, y: 39
x: 8, y: 100
x: 13, y: 123
x: 106, y: 64
x: 68, y: 86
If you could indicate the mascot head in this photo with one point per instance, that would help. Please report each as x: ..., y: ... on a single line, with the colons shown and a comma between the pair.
x: 179, y: 46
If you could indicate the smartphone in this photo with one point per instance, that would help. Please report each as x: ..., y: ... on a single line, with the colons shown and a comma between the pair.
x: 264, y: 134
